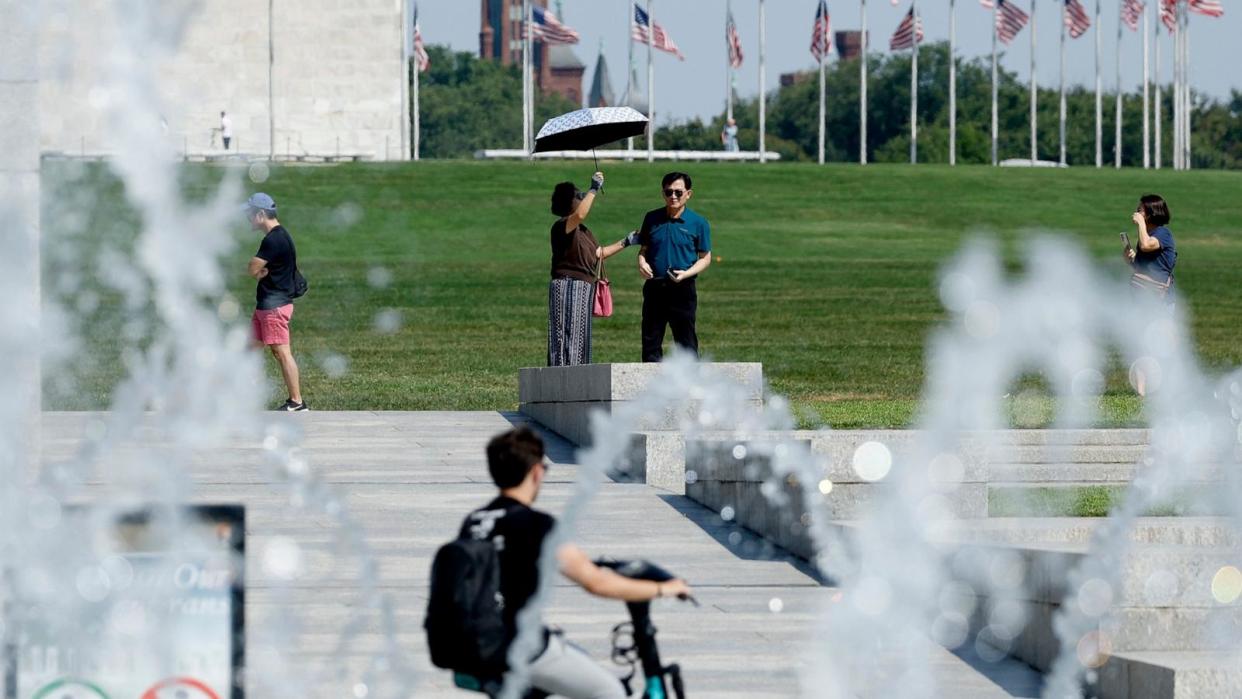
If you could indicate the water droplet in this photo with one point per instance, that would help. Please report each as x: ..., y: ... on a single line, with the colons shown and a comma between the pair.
x: 735, y: 538
x: 982, y: 320
x: 93, y: 583
x: 346, y: 215
x: 271, y: 443
x: 259, y: 172
x: 283, y: 558
x: 1095, y: 596
x: 825, y: 486
x: 228, y: 310
x: 379, y: 277
x: 776, y: 605
x: 872, y: 461
x: 1145, y: 375
x: 1161, y: 588
x: 692, y: 476
x: 120, y: 571
x: 361, y: 690
x: 1093, y: 649
x: 950, y: 630
x: 739, y: 452
x: 334, y: 365
x: 726, y: 513
x: 388, y: 321
x: 1227, y: 585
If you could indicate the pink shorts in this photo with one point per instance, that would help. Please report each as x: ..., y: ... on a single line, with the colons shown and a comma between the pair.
x: 272, y: 327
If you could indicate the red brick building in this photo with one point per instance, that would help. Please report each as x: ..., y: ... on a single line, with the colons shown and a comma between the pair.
x: 558, y: 69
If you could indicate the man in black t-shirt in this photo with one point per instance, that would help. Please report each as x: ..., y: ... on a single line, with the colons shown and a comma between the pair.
x: 275, y: 266
x: 516, y: 462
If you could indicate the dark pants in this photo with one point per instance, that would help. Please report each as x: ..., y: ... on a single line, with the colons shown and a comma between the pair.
x: 673, y: 304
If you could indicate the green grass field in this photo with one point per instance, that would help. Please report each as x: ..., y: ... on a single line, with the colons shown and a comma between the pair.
x: 826, y: 275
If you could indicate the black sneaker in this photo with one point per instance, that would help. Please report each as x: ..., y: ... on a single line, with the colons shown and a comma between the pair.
x: 292, y: 406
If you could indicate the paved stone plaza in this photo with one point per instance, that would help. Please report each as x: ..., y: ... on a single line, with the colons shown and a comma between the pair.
x: 410, y: 477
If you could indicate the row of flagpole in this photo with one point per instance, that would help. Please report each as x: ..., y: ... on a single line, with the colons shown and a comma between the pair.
x: 1007, y: 21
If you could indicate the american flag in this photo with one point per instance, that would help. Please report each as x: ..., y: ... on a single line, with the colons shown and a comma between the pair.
x: 1131, y: 12
x: 660, y: 40
x: 1076, y: 19
x: 545, y: 27
x: 733, y: 42
x: 821, y: 37
x: 908, y: 32
x: 1211, y: 8
x: 421, y: 59
x: 1168, y: 14
x: 1009, y: 20
x: 986, y: 4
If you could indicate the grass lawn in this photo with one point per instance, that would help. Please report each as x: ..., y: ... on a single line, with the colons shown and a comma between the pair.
x: 826, y: 275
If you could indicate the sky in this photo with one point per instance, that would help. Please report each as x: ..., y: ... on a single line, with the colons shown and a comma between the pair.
x: 696, y: 87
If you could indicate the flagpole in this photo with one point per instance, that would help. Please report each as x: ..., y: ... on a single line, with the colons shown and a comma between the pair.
x: 1146, y: 98
x: 1117, y: 116
x: 728, y: 63
x: 1034, y: 116
x: 1177, y: 87
x: 1064, y: 17
x: 952, y: 84
x: 1099, y: 95
x: 822, y: 53
x: 526, y: 86
x: 995, y: 9
x: 417, y: 135
x: 914, y: 84
x: 650, y: 84
x: 629, y: 78
x: 407, y: 41
x: 763, y: 96
x: 862, y: 93
x: 1188, y: 119
x: 1156, y: 113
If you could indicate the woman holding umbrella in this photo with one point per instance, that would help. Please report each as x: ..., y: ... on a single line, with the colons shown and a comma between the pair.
x: 576, y: 257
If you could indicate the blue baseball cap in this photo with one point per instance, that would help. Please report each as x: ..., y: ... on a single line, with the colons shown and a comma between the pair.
x: 262, y: 202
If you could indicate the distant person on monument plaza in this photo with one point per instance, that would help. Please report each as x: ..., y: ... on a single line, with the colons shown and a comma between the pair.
x: 676, y: 247
x: 576, y: 267
x: 1156, y: 255
x: 517, y: 465
x: 275, y: 265
x: 226, y: 129
x: 728, y: 136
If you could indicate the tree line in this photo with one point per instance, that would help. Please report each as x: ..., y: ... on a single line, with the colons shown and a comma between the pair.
x: 469, y: 104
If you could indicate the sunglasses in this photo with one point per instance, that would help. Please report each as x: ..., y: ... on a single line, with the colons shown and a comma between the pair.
x: 675, y: 193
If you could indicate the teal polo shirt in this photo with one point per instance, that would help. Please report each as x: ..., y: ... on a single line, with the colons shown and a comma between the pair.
x: 674, y: 243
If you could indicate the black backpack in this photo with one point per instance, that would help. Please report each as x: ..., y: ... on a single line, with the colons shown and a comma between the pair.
x: 465, y: 612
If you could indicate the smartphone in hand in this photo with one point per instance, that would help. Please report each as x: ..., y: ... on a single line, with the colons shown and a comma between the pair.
x: 1125, y: 239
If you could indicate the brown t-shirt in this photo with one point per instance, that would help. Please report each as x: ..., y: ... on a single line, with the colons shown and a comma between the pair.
x: 573, y: 254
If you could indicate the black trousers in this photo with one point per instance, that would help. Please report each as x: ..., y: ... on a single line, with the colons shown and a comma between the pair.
x: 670, y: 303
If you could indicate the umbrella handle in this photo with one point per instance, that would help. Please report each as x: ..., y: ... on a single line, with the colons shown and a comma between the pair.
x: 593, y: 155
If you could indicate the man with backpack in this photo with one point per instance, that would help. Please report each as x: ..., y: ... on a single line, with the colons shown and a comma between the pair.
x: 275, y: 266
x: 481, y: 582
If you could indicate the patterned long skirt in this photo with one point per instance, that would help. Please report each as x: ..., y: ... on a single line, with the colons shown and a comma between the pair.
x: 569, y: 322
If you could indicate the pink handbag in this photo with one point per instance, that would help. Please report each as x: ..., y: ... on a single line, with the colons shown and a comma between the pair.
x: 603, y: 295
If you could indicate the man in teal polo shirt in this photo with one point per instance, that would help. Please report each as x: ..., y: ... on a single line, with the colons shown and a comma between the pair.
x: 676, y: 247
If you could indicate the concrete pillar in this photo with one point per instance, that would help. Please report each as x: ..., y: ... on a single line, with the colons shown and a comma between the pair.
x: 19, y: 245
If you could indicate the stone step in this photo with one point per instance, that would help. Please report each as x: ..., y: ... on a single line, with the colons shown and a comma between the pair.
x: 1093, y: 498
x: 1171, y: 675
x: 1003, y: 473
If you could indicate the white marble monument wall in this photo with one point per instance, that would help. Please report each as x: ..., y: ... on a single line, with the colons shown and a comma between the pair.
x: 336, y: 78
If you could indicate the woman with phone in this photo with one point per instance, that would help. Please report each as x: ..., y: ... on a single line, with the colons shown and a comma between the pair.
x: 576, y: 256
x: 1156, y: 255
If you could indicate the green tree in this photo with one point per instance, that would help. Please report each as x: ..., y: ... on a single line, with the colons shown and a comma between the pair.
x: 470, y: 104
